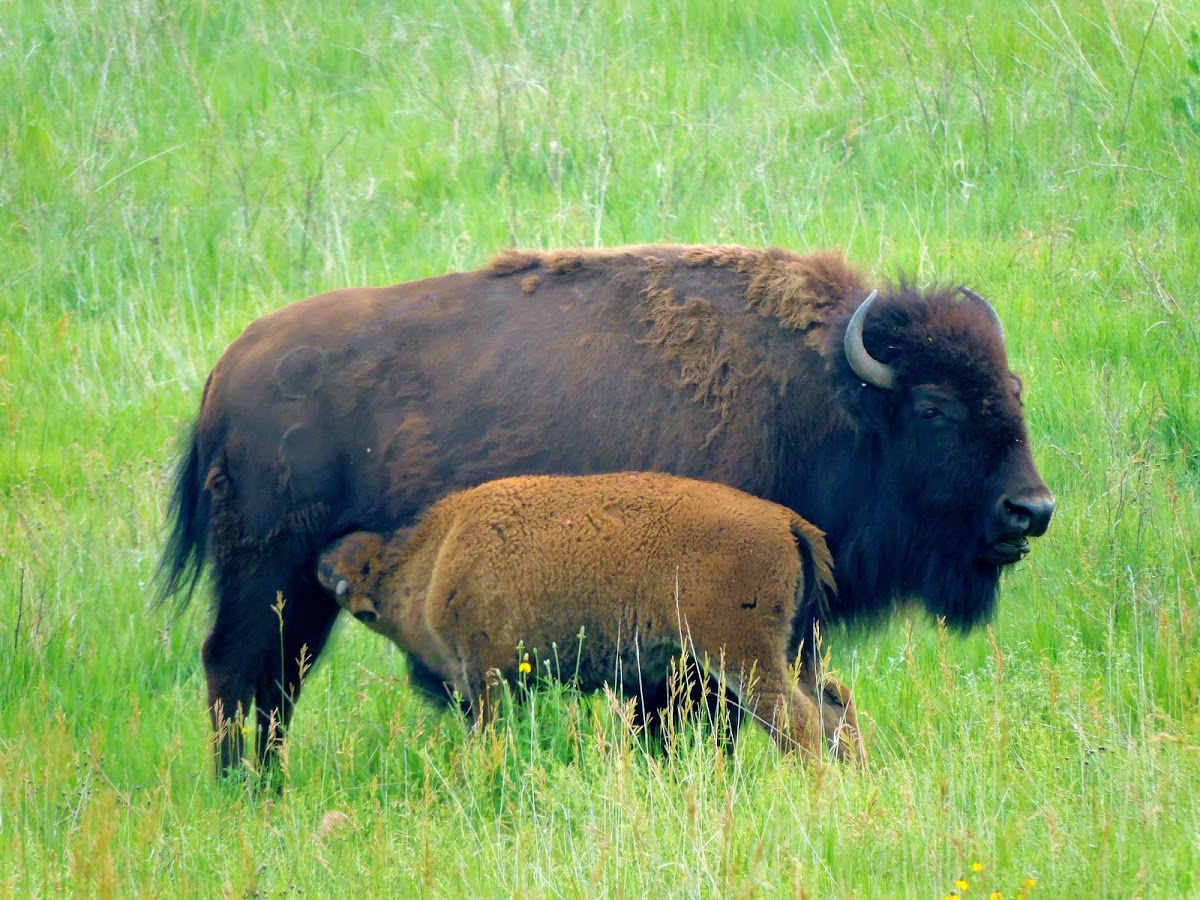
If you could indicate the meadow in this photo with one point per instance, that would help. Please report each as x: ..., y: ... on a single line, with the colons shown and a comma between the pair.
x: 170, y: 171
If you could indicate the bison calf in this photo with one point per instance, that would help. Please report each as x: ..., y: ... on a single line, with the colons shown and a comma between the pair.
x: 646, y: 567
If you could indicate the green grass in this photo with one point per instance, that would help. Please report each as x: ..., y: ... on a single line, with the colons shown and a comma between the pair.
x: 170, y: 171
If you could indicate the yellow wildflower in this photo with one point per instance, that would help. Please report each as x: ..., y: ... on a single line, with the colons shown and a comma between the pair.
x: 525, y: 668
x: 1030, y: 884
x: 976, y: 867
x: 995, y: 895
x: 961, y: 884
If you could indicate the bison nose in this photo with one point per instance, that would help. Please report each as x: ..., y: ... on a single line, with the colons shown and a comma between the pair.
x: 1029, y: 515
x: 367, y: 616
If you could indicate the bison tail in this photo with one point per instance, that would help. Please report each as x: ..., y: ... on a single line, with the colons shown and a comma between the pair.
x: 818, y: 585
x: 183, y: 556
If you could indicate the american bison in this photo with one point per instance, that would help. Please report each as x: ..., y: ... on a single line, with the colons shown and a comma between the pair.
x: 894, y: 425
x: 612, y: 578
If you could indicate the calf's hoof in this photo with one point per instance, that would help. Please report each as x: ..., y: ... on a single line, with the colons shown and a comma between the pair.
x: 839, y: 723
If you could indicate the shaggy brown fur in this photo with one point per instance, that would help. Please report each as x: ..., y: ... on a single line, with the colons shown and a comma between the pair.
x: 647, y: 567
x: 358, y: 409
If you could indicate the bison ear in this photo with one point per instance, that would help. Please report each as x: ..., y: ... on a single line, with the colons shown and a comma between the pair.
x: 343, y: 563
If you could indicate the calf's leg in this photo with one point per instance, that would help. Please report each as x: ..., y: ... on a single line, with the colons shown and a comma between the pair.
x: 431, y: 685
x: 769, y: 693
x: 838, y: 714
x: 664, y: 707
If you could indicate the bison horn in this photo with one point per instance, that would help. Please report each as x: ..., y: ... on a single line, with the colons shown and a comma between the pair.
x: 865, y: 366
x: 971, y: 295
x: 342, y: 587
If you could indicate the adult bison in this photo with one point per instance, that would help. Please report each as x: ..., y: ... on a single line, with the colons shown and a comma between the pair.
x: 894, y: 425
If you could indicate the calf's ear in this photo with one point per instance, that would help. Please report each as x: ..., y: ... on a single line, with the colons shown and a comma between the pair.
x: 344, y: 563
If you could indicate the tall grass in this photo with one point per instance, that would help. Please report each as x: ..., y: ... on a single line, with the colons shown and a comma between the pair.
x: 170, y: 171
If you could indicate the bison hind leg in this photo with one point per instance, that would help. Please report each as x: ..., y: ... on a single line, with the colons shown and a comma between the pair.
x: 303, y: 626
x: 270, y: 626
x: 230, y: 692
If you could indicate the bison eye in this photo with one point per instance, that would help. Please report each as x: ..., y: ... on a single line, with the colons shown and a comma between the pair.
x: 937, y: 408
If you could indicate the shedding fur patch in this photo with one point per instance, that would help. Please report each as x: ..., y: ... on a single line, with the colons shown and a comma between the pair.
x: 229, y: 542
x: 508, y: 262
x: 802, y: 292
x: 562, y: 262
x: 410, y: 458
x: 300, y: 373
x: 688, y: 335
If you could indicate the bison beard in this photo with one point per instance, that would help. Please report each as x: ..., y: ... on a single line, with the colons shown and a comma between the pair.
x: 902, y: 437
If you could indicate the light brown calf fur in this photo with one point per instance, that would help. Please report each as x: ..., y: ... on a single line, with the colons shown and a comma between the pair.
x: 648, y: 566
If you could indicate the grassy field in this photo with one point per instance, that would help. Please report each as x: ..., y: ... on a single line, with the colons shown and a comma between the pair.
x: 169, y: 171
